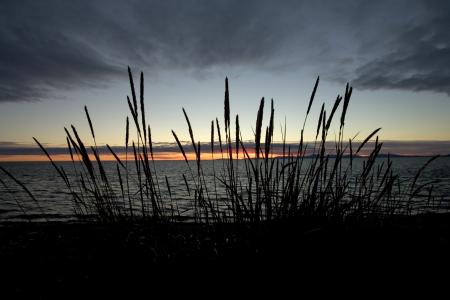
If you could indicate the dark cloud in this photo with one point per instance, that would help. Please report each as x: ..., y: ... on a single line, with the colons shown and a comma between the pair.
x: 418, y: 59
x: 48, y: 46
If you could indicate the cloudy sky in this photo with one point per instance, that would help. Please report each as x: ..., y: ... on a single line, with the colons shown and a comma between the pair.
x: 57, y: 56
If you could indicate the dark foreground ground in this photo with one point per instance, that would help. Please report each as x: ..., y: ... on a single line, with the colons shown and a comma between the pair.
x: 61, y: 260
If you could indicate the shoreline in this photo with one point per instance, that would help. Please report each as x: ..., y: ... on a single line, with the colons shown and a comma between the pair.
x: 53, y: 257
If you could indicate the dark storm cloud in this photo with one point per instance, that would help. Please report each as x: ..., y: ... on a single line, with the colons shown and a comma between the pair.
x: 52, y: 45
x: 49, y: 46
x: 418, y: 59
x: 38, y: 53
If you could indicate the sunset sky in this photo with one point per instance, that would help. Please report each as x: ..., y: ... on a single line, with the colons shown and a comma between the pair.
x: 57, y: 56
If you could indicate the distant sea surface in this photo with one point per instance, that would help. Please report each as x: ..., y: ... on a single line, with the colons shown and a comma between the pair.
x: 56, y: 202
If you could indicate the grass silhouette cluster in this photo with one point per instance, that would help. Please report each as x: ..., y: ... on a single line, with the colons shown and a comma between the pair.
x: 259, y: 187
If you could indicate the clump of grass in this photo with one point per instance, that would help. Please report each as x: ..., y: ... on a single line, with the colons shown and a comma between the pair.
x: 91, y: 188
x: 25, y: 189
x: 303, y: 182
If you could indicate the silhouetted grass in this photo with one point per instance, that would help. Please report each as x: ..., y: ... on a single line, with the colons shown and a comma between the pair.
x: 259, y: 187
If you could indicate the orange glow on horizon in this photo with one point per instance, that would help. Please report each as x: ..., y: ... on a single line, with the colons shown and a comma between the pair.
x: 170, y: 155
x: 66, y: 157
x: 109, y: 157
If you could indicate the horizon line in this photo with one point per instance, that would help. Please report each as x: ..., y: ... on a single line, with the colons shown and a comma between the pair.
x: 10, y: 151
x: 106, y: 158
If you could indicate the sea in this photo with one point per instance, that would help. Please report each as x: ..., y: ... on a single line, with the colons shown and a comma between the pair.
x: 53, y: 201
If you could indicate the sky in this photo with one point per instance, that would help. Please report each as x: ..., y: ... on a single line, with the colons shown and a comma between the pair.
x: 58, y: 56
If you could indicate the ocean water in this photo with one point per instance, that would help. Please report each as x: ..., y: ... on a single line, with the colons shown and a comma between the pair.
x: 56, y: 203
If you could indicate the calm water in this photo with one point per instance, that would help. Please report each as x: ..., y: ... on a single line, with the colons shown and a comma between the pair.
x: 56, y: 203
